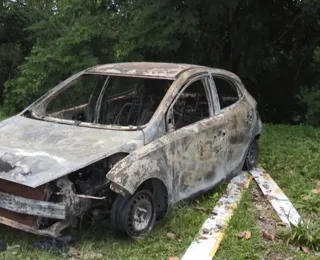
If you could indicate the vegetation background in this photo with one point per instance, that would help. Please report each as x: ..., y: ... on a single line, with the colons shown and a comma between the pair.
x: 274, y: 46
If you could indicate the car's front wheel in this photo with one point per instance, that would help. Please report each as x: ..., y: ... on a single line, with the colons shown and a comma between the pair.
x: 251, y: 160
x: 134, y: 215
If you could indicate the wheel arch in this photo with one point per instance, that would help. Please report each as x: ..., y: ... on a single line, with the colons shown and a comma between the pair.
x: 148, y: 162
x: 160, y: 193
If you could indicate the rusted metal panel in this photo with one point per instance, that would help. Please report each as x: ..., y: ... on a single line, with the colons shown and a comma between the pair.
x: 53, y: 231
x: 32, y: 207
x: 27, y: 192
x: 38, y: 193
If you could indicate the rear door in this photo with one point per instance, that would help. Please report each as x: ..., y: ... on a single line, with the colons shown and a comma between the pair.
x: 238, y: 115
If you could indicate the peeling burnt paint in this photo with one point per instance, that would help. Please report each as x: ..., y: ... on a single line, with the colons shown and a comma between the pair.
x: 143, y: 69
x: 43, y: 150
x: 54, y: 150
x: 202, y: 148
x: 32, y: 207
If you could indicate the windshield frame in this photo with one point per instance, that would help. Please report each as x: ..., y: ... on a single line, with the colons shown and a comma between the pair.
x: 37, y: 109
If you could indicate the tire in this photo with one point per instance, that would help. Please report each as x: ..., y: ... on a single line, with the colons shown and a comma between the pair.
x: 252, y: 156
x: 117, y: 207
x: 135, y: 215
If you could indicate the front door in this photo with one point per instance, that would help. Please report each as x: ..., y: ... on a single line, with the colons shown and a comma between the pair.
x: 198, y: 139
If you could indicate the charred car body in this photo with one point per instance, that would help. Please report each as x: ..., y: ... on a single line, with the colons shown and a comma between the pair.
x: 122, y: 142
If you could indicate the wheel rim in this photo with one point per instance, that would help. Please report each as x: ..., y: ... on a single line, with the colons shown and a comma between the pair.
x: 140, y: 215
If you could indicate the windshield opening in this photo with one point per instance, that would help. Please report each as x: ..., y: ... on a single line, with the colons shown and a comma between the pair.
x: 107, y: 100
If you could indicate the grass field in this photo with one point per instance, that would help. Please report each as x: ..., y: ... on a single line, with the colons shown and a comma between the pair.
x: 291, y: 154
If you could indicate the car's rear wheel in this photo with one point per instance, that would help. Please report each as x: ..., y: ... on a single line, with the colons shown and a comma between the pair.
x: 252, y: 156
x: 134, y: 215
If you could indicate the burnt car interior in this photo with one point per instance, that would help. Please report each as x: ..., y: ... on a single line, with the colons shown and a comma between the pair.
x: 191, y: 106
x: 109, y: 100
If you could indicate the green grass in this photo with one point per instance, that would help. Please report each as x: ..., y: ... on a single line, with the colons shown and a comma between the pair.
x: 183, y: 221
x: 291, y: 154
x: 256, y: 247
x: 235, y: 248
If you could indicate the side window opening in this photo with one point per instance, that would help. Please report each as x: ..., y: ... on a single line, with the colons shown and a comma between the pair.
x: 191, y: 106
x: 227, y: 92
x: 78, y: 100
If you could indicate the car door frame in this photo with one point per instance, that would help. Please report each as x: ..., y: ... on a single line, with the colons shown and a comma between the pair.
x: 200, y: 184
x: 241, y: 101
x: 169, y: 118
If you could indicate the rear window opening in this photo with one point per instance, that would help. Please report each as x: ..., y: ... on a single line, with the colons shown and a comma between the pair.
x: 227, y: 92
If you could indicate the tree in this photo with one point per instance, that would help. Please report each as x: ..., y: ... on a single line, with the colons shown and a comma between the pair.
x: 15, y: 43
x: 269, y: 44
x: 76, y: 36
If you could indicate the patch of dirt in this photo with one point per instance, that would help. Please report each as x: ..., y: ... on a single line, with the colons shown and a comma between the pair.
x: 267, y: 220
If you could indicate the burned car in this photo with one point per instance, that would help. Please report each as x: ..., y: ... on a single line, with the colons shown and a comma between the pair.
x: 122, y: 142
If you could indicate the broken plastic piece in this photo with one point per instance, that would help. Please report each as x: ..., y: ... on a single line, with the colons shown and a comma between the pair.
x: 279, y: 201
x: 212, y: 231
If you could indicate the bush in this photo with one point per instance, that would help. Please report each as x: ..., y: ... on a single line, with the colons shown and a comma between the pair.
x: 311, y: 99
x: 2, y: 114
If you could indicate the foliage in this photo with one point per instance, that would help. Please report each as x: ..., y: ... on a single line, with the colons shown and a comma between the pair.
x: 291, y: 155
x: 67, y: 41
x: 310, y: 97
x: 15, y: 43
x: 269, y: 44
x: 2, y: 114
x: 306, y: 234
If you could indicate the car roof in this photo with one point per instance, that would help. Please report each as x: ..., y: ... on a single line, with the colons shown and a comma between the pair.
x: 143, y: 69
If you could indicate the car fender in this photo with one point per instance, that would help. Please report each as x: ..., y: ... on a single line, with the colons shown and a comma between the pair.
x: 148, y: 162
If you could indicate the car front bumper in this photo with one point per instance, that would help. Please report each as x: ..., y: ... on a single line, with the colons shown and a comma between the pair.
x: 14, y: 208
x: 53, y: 231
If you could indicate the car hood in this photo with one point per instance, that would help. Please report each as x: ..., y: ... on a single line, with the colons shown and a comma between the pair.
x: 35, y: 152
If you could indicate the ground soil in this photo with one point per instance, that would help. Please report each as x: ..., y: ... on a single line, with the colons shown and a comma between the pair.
x: 267, y: 220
